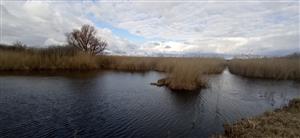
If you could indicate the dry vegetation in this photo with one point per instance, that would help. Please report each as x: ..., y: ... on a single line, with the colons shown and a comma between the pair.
x: 182, y: 73
x: 283, y: 122
x: 270, y: 68
x: 53, y: 58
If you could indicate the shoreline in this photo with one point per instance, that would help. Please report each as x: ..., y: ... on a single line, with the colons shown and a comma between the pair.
x: 282, y: 122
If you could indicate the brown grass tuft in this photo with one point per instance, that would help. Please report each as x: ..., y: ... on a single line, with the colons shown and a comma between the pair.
x: 283, y: 122
x: 182, y: 73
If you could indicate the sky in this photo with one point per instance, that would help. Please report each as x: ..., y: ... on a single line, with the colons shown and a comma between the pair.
x: 150, y: 27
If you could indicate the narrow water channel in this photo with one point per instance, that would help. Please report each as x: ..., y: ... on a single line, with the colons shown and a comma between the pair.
x: 118, y: 104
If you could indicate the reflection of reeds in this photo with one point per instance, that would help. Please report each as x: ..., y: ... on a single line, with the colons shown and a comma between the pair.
x: 271, y: 68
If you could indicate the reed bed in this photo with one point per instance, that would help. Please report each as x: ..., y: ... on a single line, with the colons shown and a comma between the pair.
x: 188, y: 73
x: 181, y: 73
x: 269, y: 68
x: 45, y: 59
x: 128, y: 63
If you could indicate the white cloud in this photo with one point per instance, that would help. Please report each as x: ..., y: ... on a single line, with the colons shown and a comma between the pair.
x: 275, y: 44
x: 186, y: 20
x: 178, y: 27
x: 116, y: 44
x: 35, y: 22
x: 215, y: 27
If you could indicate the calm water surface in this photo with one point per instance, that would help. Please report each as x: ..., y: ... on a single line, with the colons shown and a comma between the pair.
x: 118, y: 104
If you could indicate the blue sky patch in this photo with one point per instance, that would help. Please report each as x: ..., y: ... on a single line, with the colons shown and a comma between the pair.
x: 117, y: 31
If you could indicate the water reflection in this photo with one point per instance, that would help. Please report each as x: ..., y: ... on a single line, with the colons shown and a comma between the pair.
x: 185, y: 99
x: 120, y: 104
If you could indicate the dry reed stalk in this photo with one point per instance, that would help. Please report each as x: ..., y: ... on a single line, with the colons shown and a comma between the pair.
x: 270, y: 68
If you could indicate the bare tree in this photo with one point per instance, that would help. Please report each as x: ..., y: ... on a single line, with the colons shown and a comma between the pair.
x: 85, y: 39
x: 19, y: 44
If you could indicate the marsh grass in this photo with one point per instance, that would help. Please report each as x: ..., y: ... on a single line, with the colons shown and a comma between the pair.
x: 181, y: 73
x: 269, y: 68
x: 53, y: 58
x: 188, y: 73
x: 128, y: 63
x: 283, y: 122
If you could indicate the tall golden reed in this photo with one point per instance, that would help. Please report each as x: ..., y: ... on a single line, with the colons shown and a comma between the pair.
x: 23, y: 60
x: 182, y: 73
x: 270, y: 68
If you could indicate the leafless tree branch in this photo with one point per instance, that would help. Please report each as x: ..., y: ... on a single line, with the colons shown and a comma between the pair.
x: 85, y: 39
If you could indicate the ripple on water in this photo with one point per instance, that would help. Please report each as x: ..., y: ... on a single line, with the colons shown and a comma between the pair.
x: 118, y: 104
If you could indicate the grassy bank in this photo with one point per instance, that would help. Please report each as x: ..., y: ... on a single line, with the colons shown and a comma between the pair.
x: 283, y: 122
x: 270, y: 68
x: 182, y: 73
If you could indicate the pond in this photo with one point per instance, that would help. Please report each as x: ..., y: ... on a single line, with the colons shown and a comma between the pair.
x: 122, y: 104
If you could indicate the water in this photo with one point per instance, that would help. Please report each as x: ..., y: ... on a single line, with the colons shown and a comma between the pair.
x: 118, y: 104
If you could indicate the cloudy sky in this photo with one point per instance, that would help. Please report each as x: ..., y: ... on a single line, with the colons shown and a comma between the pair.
x: 160, y: 27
